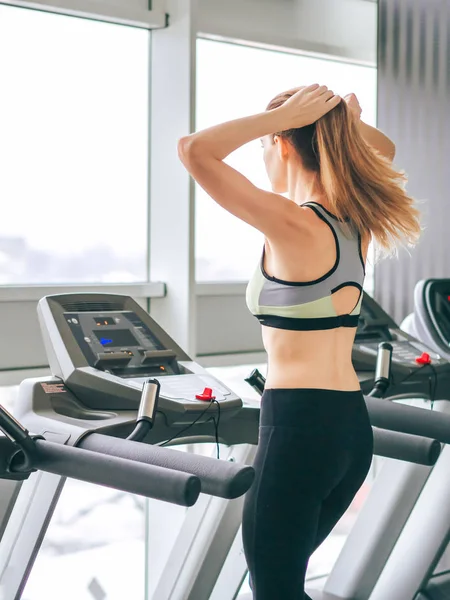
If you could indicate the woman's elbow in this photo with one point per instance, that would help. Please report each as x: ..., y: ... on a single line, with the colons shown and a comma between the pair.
x: 188, y: 149
x: 391, y: 152
x: 183, y: 148
x: 386, y: 150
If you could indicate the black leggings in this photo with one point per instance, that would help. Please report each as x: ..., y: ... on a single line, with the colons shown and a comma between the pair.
x: 314, y: 452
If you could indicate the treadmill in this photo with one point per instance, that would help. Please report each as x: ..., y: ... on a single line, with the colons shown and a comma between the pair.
x: 430, y: 322
x: 106, y: 354
x: 102, y: 350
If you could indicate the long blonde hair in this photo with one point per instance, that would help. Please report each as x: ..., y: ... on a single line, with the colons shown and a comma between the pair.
x: 359, y: 183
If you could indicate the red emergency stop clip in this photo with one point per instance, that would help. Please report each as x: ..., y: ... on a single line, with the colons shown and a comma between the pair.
x: 423, y: 359
x: 206, y: 396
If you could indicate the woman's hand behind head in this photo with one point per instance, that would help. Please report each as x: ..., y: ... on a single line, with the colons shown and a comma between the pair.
x: 354, y: 105
x: 307, y: 105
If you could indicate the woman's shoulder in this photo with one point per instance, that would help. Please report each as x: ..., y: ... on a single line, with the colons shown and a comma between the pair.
x: 305, y: 230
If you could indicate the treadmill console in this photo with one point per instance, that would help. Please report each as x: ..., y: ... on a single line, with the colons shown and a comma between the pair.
x: 433, y: 298
x: 430, y: 320
x: 376, y: 326
x: 121, y: 343
x: 103, y: 347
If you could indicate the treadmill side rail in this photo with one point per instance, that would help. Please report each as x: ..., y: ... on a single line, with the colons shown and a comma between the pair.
x: 423, y: 539
x: 25, y: 531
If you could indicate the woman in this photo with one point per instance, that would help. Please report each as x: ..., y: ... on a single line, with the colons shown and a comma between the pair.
x: 315, y: 442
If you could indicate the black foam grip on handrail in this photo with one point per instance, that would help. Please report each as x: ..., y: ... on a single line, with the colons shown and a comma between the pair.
x: 408, y: 419
x: 404, y: 446
x: 218, y: 477
x: 117, y: 472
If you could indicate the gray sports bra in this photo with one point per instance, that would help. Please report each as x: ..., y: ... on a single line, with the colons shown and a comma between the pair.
x: 308, y: 305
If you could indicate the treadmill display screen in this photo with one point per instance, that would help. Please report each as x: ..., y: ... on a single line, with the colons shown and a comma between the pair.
x: 439, y: 307
x: 442, y: 303
x: 111, y: 331
x: 113, y: 338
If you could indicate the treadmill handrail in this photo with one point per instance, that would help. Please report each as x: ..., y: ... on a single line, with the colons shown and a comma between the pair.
x: 151, y: 481
x: 218, y: 477
x: 403, y: 446
x: 408, y: 419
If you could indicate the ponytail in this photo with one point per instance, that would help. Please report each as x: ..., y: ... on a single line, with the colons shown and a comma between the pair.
x: 359, y: 183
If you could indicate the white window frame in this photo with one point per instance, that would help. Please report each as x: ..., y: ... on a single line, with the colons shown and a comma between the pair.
x: 103, y: 11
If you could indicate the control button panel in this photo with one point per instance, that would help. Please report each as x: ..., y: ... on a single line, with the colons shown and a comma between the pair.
x: 404, y: 352
x: 186, y: 388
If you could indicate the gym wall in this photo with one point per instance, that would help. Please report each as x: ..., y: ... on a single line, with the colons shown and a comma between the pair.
x: 413, y: 107
x: 344, y: 28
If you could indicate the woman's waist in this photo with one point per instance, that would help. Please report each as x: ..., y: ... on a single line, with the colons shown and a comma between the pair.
x: 316, y: 410
x: 306, y: 345
x: 322, y: 375
x: 311, y: 363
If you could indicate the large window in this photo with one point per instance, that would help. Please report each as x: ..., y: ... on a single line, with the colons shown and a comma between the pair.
x: 73, y: 149
x: 94, y: 547
x: 234, y: 81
